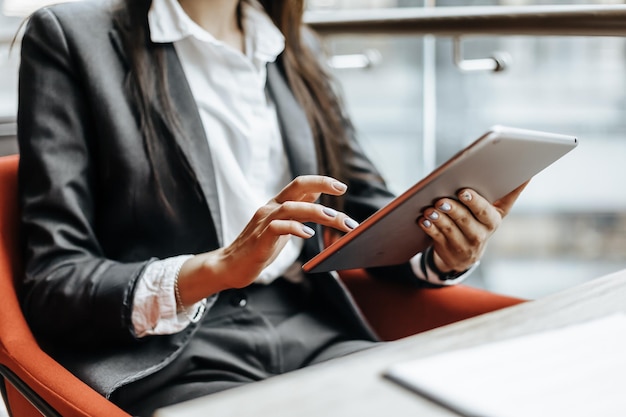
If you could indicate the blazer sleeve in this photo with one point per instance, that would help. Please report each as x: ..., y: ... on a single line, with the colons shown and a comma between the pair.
x: 71, y: 292
x: 367, y: 192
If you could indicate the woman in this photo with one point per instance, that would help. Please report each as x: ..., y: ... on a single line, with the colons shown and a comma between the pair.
x: 164, y: 228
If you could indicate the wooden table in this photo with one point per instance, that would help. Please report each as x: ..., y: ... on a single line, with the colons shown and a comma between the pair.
x: 354, y: 385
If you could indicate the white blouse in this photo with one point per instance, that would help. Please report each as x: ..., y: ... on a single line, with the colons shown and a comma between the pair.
x: 247, y: 151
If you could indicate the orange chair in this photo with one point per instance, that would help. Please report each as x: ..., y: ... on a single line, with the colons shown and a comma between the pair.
x: 34, y: 384
x: 395, y: 310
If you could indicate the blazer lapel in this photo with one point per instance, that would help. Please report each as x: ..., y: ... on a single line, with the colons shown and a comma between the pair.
x: 295, y: 128
x: 192, y: 141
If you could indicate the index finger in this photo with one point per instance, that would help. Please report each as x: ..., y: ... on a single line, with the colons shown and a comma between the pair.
x: 308, y: 188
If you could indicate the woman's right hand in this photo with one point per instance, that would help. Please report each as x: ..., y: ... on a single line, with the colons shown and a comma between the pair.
x: 238, y: 264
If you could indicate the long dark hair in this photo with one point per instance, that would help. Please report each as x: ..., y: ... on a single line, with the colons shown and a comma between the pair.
x: 310, y: 83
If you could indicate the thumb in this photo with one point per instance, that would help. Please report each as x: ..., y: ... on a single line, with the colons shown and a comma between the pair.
x: 505, y: 203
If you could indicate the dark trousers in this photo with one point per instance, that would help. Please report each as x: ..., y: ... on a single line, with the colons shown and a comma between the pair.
x: 248, y: 335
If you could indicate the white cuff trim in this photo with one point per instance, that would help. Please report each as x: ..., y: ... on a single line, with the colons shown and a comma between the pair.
x: 154, y: 302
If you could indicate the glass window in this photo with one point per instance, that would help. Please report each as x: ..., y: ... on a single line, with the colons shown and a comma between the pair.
x: 569, y: 226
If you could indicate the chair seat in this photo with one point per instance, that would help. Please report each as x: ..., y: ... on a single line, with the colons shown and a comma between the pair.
x: 396, y: 310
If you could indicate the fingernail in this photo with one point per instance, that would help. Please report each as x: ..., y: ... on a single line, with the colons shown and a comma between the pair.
x: 329, y: 212
x: 427, y: 223
x: 308, y: 230
x: 339, y: 186
x: 434, y: 215
x: 350, y: 223
x: 466, y: 196
x: 445, y: 207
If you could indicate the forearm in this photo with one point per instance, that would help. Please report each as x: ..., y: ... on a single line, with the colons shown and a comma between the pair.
x: 83, y: 302
x: 200, y: 277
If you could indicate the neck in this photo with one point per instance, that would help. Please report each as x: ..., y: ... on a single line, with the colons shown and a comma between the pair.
x: 218, y: 17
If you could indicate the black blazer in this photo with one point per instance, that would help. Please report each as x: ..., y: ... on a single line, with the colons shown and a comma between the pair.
x: 91, y: 213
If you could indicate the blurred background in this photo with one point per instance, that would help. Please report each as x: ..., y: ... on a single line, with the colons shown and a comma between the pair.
x: 570, y: 224
x: 414, y: 108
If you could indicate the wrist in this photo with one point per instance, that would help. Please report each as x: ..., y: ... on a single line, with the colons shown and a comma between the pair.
x: 199, y: 277
x: 440, y: 271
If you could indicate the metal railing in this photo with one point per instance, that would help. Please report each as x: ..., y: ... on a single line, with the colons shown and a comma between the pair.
x: 463, y: 22
x: 572, y: 20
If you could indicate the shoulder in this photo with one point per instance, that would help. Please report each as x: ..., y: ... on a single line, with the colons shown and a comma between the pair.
x: 91, y: 10
x: 71, y: 31
x: 85, y: 17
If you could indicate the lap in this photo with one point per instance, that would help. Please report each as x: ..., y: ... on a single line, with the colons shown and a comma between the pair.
x: 239, y: 343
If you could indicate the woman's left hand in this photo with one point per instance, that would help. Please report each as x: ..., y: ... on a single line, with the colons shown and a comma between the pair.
x: 461, y: 228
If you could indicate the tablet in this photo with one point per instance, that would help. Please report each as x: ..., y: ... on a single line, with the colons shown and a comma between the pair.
x: 494, y: 165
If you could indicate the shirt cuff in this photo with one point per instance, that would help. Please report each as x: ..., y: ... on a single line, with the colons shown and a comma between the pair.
x: 424, y: 272
x: 154, y: 301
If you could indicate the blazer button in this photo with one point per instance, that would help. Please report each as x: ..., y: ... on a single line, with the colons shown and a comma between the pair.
x: 239, y: 300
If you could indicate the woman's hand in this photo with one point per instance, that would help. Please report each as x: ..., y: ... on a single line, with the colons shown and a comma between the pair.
x: 461, y: 228
x: 269, y: 230
x: 238, y: 264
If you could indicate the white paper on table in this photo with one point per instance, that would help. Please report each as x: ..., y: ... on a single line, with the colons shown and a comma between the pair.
x: 575, y: 371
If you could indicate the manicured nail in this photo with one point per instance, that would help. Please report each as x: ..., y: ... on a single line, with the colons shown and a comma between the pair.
x: 427, y: 223
x: 434, y: 215
x: 308, y: 230
x: 466, y: 196
x: 329, y: 212
x: 350, y: 223
x: 339, y: 186
x: 445, y: 207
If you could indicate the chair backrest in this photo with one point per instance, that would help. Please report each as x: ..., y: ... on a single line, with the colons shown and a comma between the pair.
x: 8, y: 216
x: 32, y: 380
